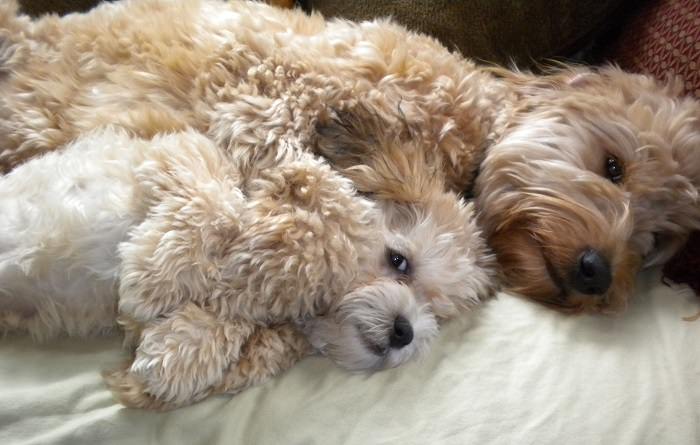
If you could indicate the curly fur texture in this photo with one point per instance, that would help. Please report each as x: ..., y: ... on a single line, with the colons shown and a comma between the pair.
x: 248, y: 75
x: 200, y: 260
x: 241, y: 72
x: 233, y: 72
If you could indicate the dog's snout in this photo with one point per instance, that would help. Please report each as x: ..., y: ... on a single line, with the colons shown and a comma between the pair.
x: 402, y: 334
x: 592, y: 274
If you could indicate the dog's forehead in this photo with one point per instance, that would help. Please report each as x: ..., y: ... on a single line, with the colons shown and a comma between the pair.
x: 432, y: 234
x: 581, y: 128
x: 442, y: 212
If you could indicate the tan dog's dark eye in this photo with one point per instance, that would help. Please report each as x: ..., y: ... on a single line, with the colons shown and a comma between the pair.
x: 613, y: 169
x: 398, y: 262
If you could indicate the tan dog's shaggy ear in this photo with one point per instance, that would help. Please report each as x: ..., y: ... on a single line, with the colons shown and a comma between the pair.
x: 378, y: 153
x: 348, y: 137
x: 354, y: 136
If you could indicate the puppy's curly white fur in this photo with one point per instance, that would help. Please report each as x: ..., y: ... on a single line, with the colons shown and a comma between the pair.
x: 201, y: 259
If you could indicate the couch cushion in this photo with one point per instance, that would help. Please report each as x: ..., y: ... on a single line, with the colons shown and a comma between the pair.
x: 498, y: 31
x: 39, y: 7
x: 662, y: 38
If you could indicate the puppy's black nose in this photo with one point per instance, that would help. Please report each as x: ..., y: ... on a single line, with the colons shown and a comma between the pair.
x: 592, y: 274
x: 402, y: 334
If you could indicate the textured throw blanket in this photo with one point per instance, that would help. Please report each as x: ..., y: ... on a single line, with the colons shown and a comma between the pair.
x: 516, y: 374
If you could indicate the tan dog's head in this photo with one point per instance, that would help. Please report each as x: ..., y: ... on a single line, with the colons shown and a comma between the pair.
x: 597, y: 175
x: 429, y: 263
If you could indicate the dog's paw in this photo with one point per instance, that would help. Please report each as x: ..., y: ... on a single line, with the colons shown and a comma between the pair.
x: 268, y: 352
x: 180, y: 358
x: 131, y: 391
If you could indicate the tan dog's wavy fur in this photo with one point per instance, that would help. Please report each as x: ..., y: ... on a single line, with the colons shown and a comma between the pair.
x: 161, y: 65
x: 243, y: 72
x: 547, y: 194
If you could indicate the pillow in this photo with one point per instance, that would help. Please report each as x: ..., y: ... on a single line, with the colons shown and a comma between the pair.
x: 662, y: 38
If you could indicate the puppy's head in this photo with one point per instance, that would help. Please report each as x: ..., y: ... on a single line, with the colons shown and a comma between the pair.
x: 596, y: 176
x: 431, y: 263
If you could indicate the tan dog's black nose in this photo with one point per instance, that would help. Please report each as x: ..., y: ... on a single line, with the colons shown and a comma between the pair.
x: 592, y: 274
x: 402, y: 334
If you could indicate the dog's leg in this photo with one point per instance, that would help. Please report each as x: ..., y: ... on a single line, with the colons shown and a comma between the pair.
x: 267, y: 353
x: 164, y: 265
x: 168, y: 261
x: 176, y: 254
x: 179, y: 359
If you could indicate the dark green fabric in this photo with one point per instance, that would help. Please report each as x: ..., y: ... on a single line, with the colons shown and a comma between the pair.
x: 39, y: 7
x: 498, y: 31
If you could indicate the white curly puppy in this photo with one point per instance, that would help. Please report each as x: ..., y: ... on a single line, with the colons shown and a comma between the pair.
x: 207, y: 264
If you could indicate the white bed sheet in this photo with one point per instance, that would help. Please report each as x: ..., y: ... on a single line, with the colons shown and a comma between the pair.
x: 515, y: 374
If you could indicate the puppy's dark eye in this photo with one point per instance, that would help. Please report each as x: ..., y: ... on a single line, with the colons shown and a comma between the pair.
x: 613, y: 169
x: 398, y: 262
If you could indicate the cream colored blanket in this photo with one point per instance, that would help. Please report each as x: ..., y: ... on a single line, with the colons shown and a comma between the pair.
x: 515, y: 374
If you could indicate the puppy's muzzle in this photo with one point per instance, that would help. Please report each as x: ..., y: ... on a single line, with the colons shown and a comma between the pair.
x: 402, y: 333
x: 375, y: 326
x: 592, y: 274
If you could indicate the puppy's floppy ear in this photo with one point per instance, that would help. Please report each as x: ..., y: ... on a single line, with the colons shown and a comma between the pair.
x: 378, y: 152
x: 348, y: 137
